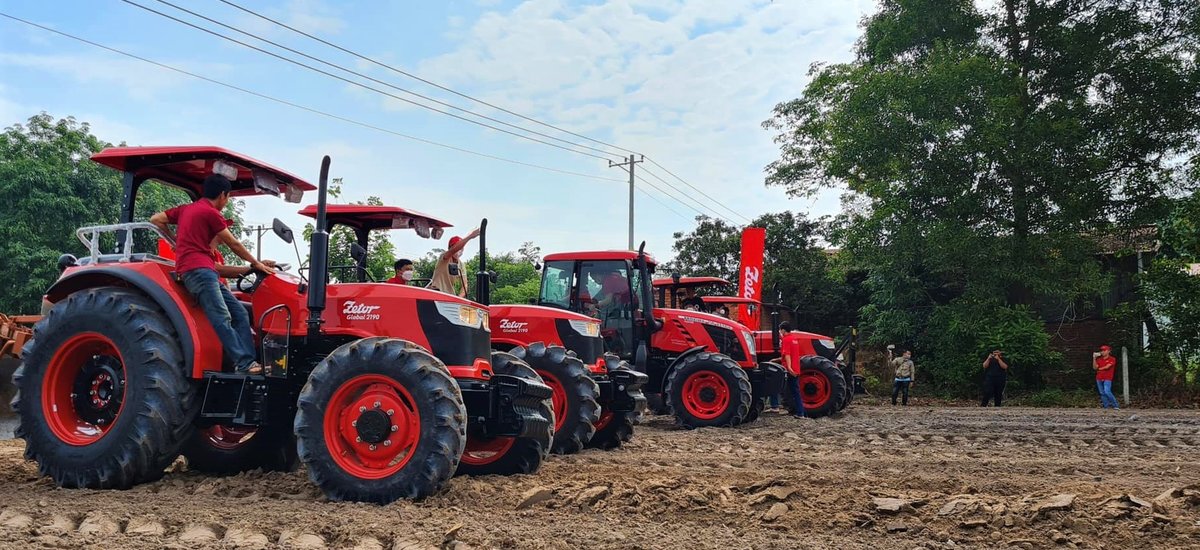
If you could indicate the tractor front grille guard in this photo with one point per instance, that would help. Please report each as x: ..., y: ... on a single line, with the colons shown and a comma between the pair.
x: 90, y: 237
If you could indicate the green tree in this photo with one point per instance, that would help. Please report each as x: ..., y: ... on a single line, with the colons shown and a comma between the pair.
x: 984, y: 145
x: 49, y: 188
x: 381, y: 253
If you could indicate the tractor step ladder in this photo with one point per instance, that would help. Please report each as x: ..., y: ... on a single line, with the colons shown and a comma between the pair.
x: 237, y: 398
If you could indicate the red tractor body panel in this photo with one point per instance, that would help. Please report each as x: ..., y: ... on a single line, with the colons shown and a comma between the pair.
x: 521, y: 325
x: 683, y: 330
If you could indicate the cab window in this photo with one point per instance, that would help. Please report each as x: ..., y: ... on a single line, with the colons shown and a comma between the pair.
x: 557, y: 279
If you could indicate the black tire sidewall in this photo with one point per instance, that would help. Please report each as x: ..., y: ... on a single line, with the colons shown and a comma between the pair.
x: 582, y: 409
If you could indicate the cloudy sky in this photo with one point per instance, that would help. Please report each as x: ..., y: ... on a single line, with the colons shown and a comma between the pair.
x: 687, y: 83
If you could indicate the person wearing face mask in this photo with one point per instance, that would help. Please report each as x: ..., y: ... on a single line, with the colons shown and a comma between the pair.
x: 404, y: 272
x: 450, y: 269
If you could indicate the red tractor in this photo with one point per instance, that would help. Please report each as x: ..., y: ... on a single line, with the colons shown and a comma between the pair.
x: 377, y: 390
x: 704, y: 365
x: 595, y: 398
x: 827, y: 384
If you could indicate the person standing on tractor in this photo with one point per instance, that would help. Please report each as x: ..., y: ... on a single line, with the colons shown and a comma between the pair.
x: 449, y: 270
x: 1105, y: 366
x: 404, y: 272
x: 903, y: 378
x: 199, y: 223
x: 995, y: 374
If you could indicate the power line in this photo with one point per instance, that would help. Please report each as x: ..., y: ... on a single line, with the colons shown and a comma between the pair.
x: 673, y: 197
x: 418, y: 78
x: 664, y: 205
x: 355, y: 83
x: 719, y: 203
x: 684, y: 193
x: 303, y: 107
x: 388, y: 84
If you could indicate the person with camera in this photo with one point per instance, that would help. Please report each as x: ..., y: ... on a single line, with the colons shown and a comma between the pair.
x: 995, y: 374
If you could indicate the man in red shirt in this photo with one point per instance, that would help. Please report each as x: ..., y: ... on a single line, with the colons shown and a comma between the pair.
x: 1105, y: 366
x: 404, y: 272
x: 199, y: 223
x: 789, y: 348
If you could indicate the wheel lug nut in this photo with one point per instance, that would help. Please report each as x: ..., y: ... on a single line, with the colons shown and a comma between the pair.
x: 377, y: 404
x: 74, y: 395
x: 387, y: 443
x: 394, y: 428
x: 93, y: 392
x: 362, y: 409
x: 358, y: 440
x: 372, y: 447
x: 354, y: 423
x: 391, y: 412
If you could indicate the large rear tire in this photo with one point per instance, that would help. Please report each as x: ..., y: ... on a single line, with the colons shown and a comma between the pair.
x: 709, y: 389
x: 576, y: 410
x: 509, y: 455
x: 380, y: 419
x: 227, y: 450
x: 822, y: 386
x: 102, y: 396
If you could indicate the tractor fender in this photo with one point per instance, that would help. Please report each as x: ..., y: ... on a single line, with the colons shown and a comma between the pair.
x: 677, y: 361
x: 112, y: 276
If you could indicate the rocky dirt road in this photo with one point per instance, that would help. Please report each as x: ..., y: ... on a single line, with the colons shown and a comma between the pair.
x: 874, y: 478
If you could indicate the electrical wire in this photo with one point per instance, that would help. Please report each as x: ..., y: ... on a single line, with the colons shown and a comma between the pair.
x: 719, y: 203
x: 303, y: 107
x: 685, y: 194
x: 353, y: 82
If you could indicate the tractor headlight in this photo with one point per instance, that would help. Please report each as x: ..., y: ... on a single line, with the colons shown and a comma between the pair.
x: 463, y: 315
x: 586, y: 328
x: 749, y: 343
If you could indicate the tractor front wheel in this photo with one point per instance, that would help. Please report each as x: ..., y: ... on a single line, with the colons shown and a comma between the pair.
x: 709, y: 389
x: 102, y: 396
x: 575, y: 393
x: 380, y: 419
x: 509, y: 455
x: 822, y: 386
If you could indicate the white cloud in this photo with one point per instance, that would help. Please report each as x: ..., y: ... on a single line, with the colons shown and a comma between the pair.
x: 111, y: 70
x: 686, y: 82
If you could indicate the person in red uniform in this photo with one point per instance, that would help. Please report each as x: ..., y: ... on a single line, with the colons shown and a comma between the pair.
x: 404, y: 272
x: 198, y: 224
x: 789, y: 348
x: 1105, y: 366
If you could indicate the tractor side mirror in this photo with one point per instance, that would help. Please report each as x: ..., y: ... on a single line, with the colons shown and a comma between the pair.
x: 357, y: 252
x: 675, y: 277
x: 493, y: 276
x: 282, y: 231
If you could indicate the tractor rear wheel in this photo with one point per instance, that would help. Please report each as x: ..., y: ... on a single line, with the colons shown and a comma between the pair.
x: 380, y: 419
x: 822, y: 386
x: 709, y: 389
x: 227, y: 450
x: 102, y: 396
x: 509, y: 455
x: 576, y: 410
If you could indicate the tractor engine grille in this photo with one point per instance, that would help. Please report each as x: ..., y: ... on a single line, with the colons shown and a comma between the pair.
x: 727, y: 342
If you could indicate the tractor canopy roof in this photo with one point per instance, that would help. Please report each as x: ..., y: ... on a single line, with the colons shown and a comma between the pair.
x: 689, y: 282
x: 594, y: 255
x: 728, y: 300
x: 186, y: 167
x: 371, y: 217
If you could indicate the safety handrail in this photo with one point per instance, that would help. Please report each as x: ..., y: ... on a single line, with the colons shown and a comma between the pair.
x: 90, y: 237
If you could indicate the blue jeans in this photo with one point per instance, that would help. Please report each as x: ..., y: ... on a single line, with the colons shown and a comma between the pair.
x: 226, y: 314
x: 774, y: 401
x: 793, y: 383
x: 1107, y: 399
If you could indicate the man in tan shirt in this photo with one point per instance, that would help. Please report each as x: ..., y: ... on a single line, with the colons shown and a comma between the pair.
x: 904, y: 375
x: 450, y: 270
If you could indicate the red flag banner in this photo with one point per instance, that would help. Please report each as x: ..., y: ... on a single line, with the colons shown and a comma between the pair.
x: 750, y: 282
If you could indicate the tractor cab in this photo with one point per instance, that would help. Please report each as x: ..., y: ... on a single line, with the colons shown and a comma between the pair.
x: 365, y: 218
x: 704, y: 365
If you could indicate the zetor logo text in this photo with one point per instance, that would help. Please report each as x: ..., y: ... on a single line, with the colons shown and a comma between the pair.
x: 751, y: 287
x: 513, y: 326
x: 355, y: 311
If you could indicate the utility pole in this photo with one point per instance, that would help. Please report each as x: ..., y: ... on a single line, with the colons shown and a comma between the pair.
x: 630, y: 163
x: 258, y: 230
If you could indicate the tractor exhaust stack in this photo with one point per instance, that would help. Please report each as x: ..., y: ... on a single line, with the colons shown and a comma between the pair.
x: 319, y: 257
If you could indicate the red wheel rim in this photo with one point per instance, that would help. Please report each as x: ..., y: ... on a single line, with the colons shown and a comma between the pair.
x: 606, y: 416
x: 480, y: 452
x: 815, y: 389
x: 372, y: 426
x: 228, y: 438
x: 84, y: 389
x: 558, y: 399
x: 705, y: 395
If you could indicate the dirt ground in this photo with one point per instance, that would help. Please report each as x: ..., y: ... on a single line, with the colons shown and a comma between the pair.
x: 875, y: 477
